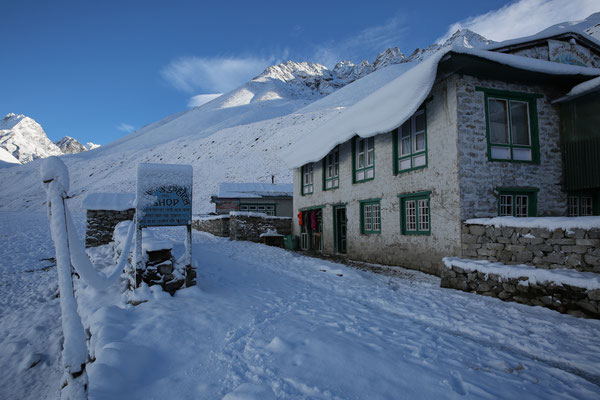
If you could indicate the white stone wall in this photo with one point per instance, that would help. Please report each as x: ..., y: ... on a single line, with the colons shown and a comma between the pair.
x: 479, y: 177
x: 440, y: 177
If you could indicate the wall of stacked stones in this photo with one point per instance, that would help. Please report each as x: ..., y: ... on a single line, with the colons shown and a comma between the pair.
x: 101, y: 225
x: 573, y: 249
x: 242, y: 227
x: 217, y: 226
x: 560, y: 297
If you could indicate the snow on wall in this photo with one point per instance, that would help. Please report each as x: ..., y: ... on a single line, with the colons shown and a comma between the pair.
x: 254, y: 189
x: 550, y: 223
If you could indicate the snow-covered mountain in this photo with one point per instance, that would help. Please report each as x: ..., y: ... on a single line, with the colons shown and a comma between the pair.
x: 69, y: 145
x: 25, y: 139
x: 7, y: 159
x: 91, y: 146
x: 234, y: 138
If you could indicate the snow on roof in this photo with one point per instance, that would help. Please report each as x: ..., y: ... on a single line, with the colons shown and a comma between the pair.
x: 586, y: 87
x: 577, y: 27
x: 109, y: 201
x: 389, y: 107
x: 254, y: 190
x: 550, y: 223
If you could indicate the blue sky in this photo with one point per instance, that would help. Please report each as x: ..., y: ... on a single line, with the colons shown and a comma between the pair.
x: 98, y: 70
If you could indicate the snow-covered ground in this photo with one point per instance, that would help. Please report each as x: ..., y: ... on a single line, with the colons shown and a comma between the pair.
x: 266, y: 323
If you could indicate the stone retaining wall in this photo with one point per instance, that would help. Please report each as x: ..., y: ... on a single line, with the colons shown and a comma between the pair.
x: 563, y: 298
x: 215, y: 226
x: 249, y: 227
x: 101, y: 225
x: 574, y: 249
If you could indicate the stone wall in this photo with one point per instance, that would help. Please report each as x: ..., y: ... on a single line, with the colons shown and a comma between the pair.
x: 101, y: 225
x: 215, y: 226
x: 249, y: 226
x: 574, y: 249
x: 480, y: 177
x: 564, y: 298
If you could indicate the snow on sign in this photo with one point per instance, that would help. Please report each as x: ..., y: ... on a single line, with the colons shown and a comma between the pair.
x: 164, y: 193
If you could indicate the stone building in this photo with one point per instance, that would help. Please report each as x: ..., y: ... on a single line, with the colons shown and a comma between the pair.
x: 268, y: 198
x: 103, y: 212
x: 465, y: 133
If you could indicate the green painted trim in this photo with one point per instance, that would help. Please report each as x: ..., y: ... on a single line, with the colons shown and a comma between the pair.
x: 508, y: 93
x: 302, y: 181
x: 335, y: 228
x: 594, y: 194
x: 323, y: 172
x: 354, y: 169
x: 530, y: 192
x: 414, y: 196
x: 396, y: 143
x: 362, y: 216
x: 530, y: 99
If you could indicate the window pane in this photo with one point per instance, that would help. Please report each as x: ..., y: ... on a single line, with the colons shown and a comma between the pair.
x: 420, y: 122
x: 411, y: 215
x: 586, y: 206
x: 405, y: 131
x: 404, y: 164
x: 420, y: 141
x: 521, y: 154
x: 521, y: 208
x: 369, y: 173
x: 376, y: 217
x: 370, y: 157
x: 506, y: 205
x: 498, y: 121
x: 361, y: 160
x: 360, y: 175
x: 371, y: 143
x: 367, y: 215
x: 519, y: 120
x: 419, y: 160
x: 501, y: 153
x: 405, y: 146
x: 573, y: 206
x: 424, y: 215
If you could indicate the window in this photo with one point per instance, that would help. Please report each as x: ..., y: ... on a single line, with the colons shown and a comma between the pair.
x: 331, y: 170
x: 415, y: 215
x: 370, y: 216
x: 364, y: 159
x: 307, y: 179
x: 580, y: 206
x: 410, y: 143
x: 517, y: 202
x: 511, y: 121
x: 268, y: 209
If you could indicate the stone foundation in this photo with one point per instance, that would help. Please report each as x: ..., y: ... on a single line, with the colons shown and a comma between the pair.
x: 249, y: 226
x: 218, y: 226
x: 573, y: 249
x: 563, y: 298
x: 101, y: 225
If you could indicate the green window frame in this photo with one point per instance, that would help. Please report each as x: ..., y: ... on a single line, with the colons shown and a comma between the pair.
x: 517, y: 202
x: 370, y: 216
x: 363, y: 159
x: 306, y: 179
x: 331, y: 169
x: 410, y: 143
x: 511, y: 126
x: 269, y: 209
x: 415, y: 213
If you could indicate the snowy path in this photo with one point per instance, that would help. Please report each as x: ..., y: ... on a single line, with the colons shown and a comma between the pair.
x: 265, y: 323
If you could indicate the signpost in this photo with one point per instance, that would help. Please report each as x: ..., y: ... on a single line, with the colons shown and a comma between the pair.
x: 164, y: 198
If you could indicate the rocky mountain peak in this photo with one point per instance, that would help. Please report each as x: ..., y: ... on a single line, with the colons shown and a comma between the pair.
x: 25, y: 139
x: 69, y: 145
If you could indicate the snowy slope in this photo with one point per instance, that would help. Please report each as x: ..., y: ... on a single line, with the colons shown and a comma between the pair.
x: 25, y: 139
x: 7, y: 159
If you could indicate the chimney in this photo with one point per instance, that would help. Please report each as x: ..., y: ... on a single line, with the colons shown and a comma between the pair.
x: 273, y: 179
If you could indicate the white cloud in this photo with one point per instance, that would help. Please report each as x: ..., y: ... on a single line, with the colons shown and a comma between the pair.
x: 123, y: 127
x: 213, y: 74
x: 376, y: 38
x: 524, y: 18
x: 201, y: 99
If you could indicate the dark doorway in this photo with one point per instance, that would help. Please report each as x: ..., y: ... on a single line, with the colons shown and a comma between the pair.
x: 339, y: 230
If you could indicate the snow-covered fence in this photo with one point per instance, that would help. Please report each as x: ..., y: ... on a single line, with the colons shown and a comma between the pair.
x: 572, y: 243
x: 70, y: 251
x: 566, y: 291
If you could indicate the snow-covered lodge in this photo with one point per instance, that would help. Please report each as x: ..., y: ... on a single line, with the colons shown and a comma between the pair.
x: 510, y: 130
x: 274, y: 199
